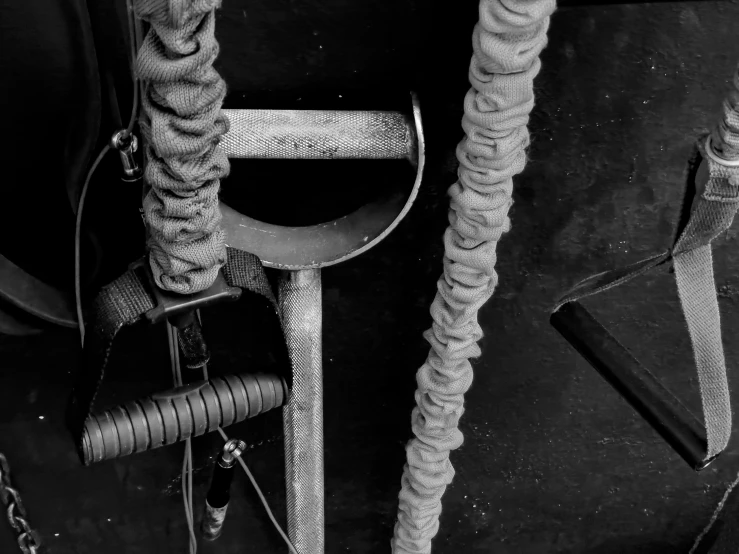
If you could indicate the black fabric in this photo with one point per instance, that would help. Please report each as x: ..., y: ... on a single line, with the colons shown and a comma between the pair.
x: 51, y: 95
x: 245, y: 271
x: 125, y: 302
x: 67, y: 69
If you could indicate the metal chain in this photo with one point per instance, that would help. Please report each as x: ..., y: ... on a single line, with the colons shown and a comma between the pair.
x: 29, y: 540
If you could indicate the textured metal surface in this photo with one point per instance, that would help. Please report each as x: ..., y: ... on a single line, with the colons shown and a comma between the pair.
x: 300, y: 304
x: 334, y: 241
x: 317, y: 134
x: 183, y: 412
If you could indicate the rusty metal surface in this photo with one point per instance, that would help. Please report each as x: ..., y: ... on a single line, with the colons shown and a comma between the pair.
x: 338, y: 240
x: 318, y: 134
x: 300, y: 299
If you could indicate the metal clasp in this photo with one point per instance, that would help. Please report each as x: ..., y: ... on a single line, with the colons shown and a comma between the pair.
x: 172, y: 306
x: 126, y: 143
x: 233, y: 449
x: 715, y: 157
x: 179, y: 310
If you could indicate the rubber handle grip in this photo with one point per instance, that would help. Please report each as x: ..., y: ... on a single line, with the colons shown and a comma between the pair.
x: 178, y: 414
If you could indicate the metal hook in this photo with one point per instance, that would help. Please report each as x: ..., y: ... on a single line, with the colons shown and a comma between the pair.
x: 126, y: 143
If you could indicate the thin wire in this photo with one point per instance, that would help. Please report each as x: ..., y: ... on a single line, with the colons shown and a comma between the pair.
x: 194, y: 541
x: 77, y: 244
x: 261, y: 497
x: 715, y: 515
x: 133, y: 33
x: 138, y: 34
x: 188, y: 509
x: 187, y: 465
x: 225, y: 438
x: 134, y: 49
x: 187, y: 495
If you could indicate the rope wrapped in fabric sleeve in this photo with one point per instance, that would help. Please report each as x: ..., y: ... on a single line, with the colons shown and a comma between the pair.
x: 507, y: 42
x: 182, y: 127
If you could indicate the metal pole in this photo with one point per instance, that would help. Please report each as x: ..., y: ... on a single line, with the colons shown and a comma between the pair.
x: 300, y: 305
x: 635, y: 383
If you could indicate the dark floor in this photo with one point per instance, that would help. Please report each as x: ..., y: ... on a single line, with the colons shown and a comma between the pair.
x: 553, y: 460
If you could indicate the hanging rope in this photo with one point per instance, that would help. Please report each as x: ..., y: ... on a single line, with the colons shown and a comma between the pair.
x: 725, y: 136
x: 507, y: 42
x: 182, y: 128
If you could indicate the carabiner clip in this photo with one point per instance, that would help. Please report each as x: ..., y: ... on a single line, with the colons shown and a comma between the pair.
x: 126, y: 143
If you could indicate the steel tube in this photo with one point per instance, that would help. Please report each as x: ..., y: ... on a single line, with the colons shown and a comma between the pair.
x: 300, y: 305
x: 318, y: 135
x: 635, y: 383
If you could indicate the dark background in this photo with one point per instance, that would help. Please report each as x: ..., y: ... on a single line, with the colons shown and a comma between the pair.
x: 553, y: 460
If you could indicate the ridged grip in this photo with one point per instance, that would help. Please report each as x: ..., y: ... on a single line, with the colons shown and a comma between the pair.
x: 300, y: 303
x: 184, y: 412
x: 318, y: 135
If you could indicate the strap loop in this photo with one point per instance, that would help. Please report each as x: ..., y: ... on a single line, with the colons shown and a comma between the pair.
x: 714, y: 209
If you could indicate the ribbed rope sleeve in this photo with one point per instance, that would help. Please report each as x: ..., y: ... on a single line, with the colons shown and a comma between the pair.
x: 182, y: 128
x: 507, y: 42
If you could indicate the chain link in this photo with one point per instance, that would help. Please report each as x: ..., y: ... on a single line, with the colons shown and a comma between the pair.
x: 28, y: 540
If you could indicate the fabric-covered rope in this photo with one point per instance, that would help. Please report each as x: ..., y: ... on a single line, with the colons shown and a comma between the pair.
x: 182, y: 127
x: 507, y: 42
x: 725, y: 136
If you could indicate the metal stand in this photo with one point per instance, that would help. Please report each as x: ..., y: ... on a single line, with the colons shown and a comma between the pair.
x: 300, y: 305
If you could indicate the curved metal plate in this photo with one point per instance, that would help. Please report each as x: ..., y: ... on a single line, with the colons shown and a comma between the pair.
x: 326, y: 244
x: 15, y: 323
x: 34, y: 296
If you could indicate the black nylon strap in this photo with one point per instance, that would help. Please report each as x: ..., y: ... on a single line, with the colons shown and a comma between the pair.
x: 125, y: 302
x: 246, y: 271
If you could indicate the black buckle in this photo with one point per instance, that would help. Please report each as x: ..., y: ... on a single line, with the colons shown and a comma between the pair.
x: 179, y: 310
x: 173, y: 306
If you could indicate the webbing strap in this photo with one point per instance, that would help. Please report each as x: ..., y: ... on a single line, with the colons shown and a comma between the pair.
x: 124, y: 302
x: 694, y: 276
x: 713, y: 211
